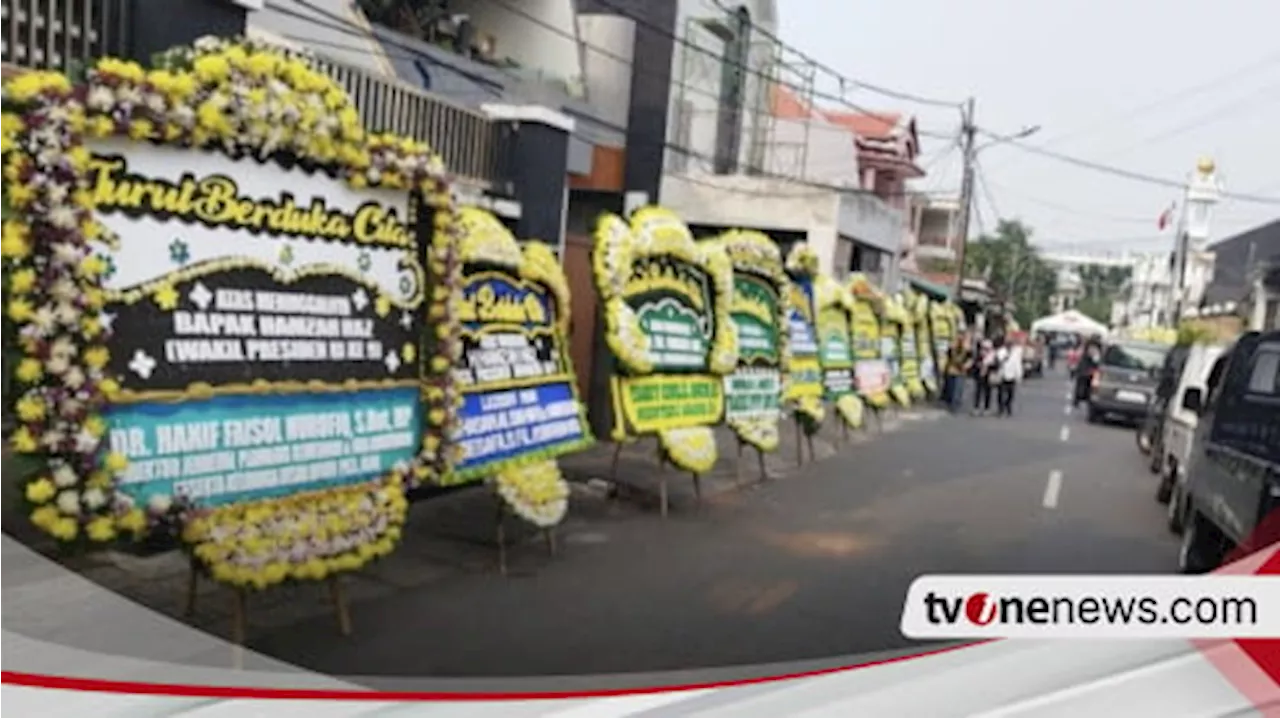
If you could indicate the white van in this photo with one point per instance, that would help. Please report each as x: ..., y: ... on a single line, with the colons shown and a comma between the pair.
x: 1180, y: 425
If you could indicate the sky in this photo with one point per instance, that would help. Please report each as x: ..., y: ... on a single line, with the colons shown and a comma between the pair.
x: 1146, y: 85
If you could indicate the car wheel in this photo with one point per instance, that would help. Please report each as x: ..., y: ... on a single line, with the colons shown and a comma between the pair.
x: 1094, y: 416
x: 1156, y: 464
x: 1177, y: 510
x: 1144, y: 440
x: 1165, y: 488
x: 1196, y: 553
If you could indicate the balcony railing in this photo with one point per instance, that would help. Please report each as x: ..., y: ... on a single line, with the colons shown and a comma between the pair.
x: 62, y: 34
x: 470, y: 144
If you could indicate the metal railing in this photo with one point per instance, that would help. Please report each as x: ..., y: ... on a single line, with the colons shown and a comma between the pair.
x: 470, y: 144
x: 62, y: 34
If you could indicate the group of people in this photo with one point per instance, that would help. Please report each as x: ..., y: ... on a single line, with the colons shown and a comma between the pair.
x: 994, y: 365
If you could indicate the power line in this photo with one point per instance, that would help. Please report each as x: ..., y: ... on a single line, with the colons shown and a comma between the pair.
x: 1184, y: 93
x: 745, y: 68
x: 986, y: 191
x: 1127, y: 174
x: 1075, y: 211
x: 1223, y: 112
x: 341, y: 25
x: 896, y: 94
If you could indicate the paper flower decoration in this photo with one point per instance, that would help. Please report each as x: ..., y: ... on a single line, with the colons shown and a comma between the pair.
x: 536, y: 492
x: 692, y: 448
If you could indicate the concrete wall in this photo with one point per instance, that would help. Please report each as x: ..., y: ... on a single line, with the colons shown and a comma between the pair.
x: 545, y: 47
x: 335, y: 32
x: 607, y: 75
x: 759, y: 203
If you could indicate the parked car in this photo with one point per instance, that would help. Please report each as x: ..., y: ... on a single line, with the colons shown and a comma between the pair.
x: 1033, y: 358
x: 1229, y: 501
x: 1125, y: 379
x: 1173, y: 450
x: 1150, y: 434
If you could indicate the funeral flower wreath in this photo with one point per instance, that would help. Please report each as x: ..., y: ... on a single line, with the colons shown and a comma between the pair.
x: 802, y: 262
x: 531, y: 484
x: 828, y: 294
x: 654, y: 232
x: 754, y: 253
x: 242, y: 97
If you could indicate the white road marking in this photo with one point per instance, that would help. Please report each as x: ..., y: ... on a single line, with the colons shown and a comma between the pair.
x: 1065, y: 433
x: 1052, y: 489
x: 1067, y: 409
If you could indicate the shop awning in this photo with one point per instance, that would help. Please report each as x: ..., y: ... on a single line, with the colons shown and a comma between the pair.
x: 935, y: 291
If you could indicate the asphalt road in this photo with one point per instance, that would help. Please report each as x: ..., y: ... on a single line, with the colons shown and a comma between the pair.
x: 812, y: 566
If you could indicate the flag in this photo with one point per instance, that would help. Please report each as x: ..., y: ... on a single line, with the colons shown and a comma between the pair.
x: 1166, y: 217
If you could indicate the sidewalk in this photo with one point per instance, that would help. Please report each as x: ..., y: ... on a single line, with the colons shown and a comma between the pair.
x: 453, y: 536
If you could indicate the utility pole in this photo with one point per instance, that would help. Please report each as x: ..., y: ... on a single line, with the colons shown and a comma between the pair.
x: 968, y: 131
x: 1179, y: 265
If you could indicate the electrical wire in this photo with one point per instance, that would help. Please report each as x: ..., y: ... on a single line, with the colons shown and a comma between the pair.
x: 1075, y: 211
x: 981, y: 177
x: 878, y: 89
x: 1266, y: 95
x: 1127, y: 174
x: 344, y: 26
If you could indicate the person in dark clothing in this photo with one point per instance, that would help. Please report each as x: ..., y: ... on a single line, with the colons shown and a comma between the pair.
x: 984, y: 367
x: 1090, y: 360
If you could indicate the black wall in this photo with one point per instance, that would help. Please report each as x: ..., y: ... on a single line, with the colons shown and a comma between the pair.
x: 655, y: 22
x: 158, y: 25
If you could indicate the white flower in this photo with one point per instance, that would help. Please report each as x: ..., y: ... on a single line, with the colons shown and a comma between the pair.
x: 73, y: 378
x: 43, y: 322
x: 58, y: 364
x: 64, y: 476
x: 154, y: 102
x: 94, y: 499
x: 183, y: 115
x: 64, y: 290
x: 69, y: 502
x: 67, y: 253
x: 67, y: 314
x: 129, y: 95
x: 159, y: 503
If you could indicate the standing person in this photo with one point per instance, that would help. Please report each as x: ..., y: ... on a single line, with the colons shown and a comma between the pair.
x: 1090, y: 357
x: 983, y: 370
x: 958, y: 360
x: 1009, y: 358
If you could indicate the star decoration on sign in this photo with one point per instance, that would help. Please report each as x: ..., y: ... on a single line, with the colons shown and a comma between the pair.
x: 142, y: 364
x: 179, y: 252
x: 106, y: 319
x: 200, y: 296
x: 406, y: 320
x: 392, y: 361
x: 360, y: 299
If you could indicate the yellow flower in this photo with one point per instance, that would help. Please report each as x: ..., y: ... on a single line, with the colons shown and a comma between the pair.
x: 141, y: 129
x: 90, y: 327
x: 64, y: 529
x: 30, y: 408
x: 98, y: 479
x: 94, y: 298
x: 101, y: 126
x: 436, y: 417
x: 15, y: 244
x: 29, y: 370
x: 126, y: 69
x: 134, y: 521
x: 109, y: 387
x: 211, y: 68
x: 116, y: 462
x: 44, y: 517
x: 92, y: 266
x: 166, y: 297
x: 382, y: 306
x: 79, y: 157
x: 41, y: 491
x: 21, y: 311
x: 101, y: 529
x: 20, y: 196
x: 439, y: 365
x: 95, y: 425
x: 23, y: 442
x: 22, y: 281
x: 408, y: 352
x: 28, y: 85
x: 96, y: 357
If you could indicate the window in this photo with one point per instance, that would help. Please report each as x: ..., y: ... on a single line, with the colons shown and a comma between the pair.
x: 1213, y: 387
x: 1265, y: 375
x: 1134, y: 356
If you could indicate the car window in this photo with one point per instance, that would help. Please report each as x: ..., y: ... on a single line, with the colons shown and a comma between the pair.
x: 1265, y: 376
x: 1130, y: 356
x: 1214, y: 385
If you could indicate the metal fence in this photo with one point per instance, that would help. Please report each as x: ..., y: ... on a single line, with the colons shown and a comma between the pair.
x: 62, y: 34
x: 471, y: 145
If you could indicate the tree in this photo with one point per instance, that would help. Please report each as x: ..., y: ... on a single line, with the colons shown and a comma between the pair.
x: 1096, y: 308
x: 1013, y: 269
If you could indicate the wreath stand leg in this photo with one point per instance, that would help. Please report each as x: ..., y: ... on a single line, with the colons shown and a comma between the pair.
x: 697, y: 488
x: 613, y: 465
x: 339, y: 598
x: 663, y: 499
x: 239, y: 618
x: 549, y: 534
x: 501, y: 536
x: 737, y: 479
x: 813, y: 455
x: 193, y: 583
x: 844, y: 432
x: 764, y: 475
x: 799, y: 444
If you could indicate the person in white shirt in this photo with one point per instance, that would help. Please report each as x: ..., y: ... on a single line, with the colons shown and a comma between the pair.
x: 1009, y: 361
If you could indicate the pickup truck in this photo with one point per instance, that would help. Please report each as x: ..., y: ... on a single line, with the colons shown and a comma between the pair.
x: 1231, y: 505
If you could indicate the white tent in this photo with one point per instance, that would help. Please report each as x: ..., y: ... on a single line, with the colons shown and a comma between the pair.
x: 1071, y: 322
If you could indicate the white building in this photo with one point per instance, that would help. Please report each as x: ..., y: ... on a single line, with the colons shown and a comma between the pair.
x: 1147, y: 298
x: 745, y: 152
